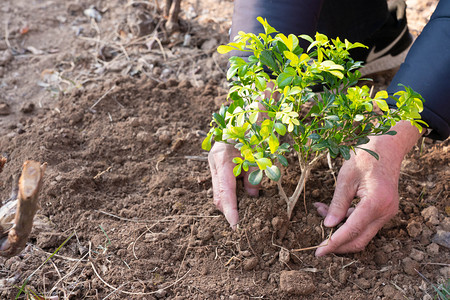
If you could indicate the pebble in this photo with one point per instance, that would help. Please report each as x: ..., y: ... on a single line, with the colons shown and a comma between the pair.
x: 4, y: 109
x: 5, y: 57
x: 431, y: 214
x: 165, y: 138
x: 445, y: 272
x: 250, y: 263
x: 284, y: 256
x: 442, y: 238
x: 417, y: 255
x: 277, y: 223
x: 433, y: 249
x: 414, y: 229
x: 143, y: 136
x: 410, y: 266
x: 209, y: 44
x: 296, y: 283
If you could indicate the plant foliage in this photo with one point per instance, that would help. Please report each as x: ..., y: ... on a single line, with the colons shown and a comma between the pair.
x: 273, y: 94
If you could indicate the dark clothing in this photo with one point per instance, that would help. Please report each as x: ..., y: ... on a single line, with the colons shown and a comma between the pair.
x: 426, y: 68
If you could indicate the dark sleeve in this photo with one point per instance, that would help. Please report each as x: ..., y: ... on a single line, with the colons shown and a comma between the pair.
x: 286, y: 16
x: 427, y: 71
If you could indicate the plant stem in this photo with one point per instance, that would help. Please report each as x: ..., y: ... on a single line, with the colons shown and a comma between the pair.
x: 306, y: 170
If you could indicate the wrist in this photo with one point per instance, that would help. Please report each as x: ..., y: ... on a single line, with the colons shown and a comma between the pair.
x: 396, y: 146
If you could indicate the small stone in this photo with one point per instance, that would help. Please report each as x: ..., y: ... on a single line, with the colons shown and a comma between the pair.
x: 165, y: 138
x: 445, y: 272
x: 205, y: 234
x: 250, y: 263
x: 410, y: 266
x: 414, y: 229
x: 284, y: 256
x: 417, y: 255
x: 184, y: 84
x: 4, y: 109
x: 296, y: 283
x: 391, y: 293
x: 364, y: 283
x: 209, y: 193
x: 431, y: 214
x: 315, y: 193
x: 209, y: 44
x: 5, y: 57
x: 433, y: 249
x: 343, y: 276
x: 442, y: 238
x: 27, y: 108
x: 380, y: 258
x: 144, y: 137
x: 445, y: 224
x: 277, y: 223
x: 246, y: 253
x: 134, y: 122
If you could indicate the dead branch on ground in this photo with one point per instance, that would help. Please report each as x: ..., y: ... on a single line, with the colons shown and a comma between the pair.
x: 16, y: 215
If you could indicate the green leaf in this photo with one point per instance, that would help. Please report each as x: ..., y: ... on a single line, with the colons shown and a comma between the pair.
x: 280, y: 128
x: 260, y: 83
x: 374, y: 154
x: 319, y: 146
x: 273, y: 173
x: 232, y: 71
x: 237, y: 170
x: 382, y: 105
x: 306, y: 37
x: 391, y: 132
x: 219, y: 120
x: 292, y: 57
x: 273, y: 143
x: 314, y: 136
x: 283, y: 160
x: 345, y: 152
x: 267, y: 59
x: 255, y: 177
x: 206, y: 144
x: 253, y: 117
x: 237, y: 160
x: 223, y: 49
x: 284, y: 79
x: 263, y: 163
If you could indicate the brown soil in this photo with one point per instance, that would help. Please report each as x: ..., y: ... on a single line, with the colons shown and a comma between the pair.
x: 120, y: 122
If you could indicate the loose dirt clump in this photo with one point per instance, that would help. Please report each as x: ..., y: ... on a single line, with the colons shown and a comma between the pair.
x: 129, y: 186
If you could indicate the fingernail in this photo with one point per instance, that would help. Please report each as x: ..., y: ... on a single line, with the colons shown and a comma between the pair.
x: 330, y: 221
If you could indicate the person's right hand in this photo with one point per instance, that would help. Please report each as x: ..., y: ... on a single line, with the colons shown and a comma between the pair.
x: 224, y: 182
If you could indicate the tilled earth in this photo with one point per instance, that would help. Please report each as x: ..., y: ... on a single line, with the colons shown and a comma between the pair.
x: 120, y: 123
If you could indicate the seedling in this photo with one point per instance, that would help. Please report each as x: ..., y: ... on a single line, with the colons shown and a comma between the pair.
x: 272, y: 94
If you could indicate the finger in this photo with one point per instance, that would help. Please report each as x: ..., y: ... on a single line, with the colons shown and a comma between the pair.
x: 344, y: 193
x: 224, y: 186
x: 252, y: 190
x: 357, y: 231
x: 322, y: 209
x: 356, y: 245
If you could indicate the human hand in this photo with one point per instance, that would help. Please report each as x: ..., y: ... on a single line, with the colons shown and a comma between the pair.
x: 375, y: 182
x: 224, y: 182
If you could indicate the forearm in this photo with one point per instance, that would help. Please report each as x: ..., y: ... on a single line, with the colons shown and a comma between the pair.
x: 426, y: 70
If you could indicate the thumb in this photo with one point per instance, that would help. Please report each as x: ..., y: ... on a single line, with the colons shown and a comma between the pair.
x: 344, y: 193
